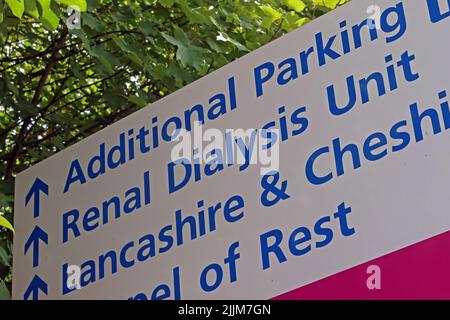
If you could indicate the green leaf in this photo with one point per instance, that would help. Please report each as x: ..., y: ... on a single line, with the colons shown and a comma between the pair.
x: 225, y: 37
x: 5, y: 223
x: 6, y: 187
x: 79, y: 4
x: 330, y: 4
x: 2, y: 6
x: 296, y: 5
x: 31, y: 8
x: 17, y: 7
x: 107, y: 59
x: 48, y: 17
x: 131, y: 50
x: 180, y: 38
x: 167, y: 3
x: 114, y: 99
x: 137, y: 100
x: 5, y: 258
x: 194, y: 15
x: 6, y: 200
x: 213, y: 45
x: 293, y: 21
x: 58, y: 142
x: 92, y: 5
x: 147, y: 28
x: 26, y: 108
x: 187, y: 53
x: 191, y: 56
x: 171, y: 39
x: 91, y: 22
x: 4, y: 292
x: 271, y: 13
x: 181, y: 75
x: 84, y: 39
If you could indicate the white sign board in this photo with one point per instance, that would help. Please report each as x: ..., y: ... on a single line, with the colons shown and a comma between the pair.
x: 359, y: 107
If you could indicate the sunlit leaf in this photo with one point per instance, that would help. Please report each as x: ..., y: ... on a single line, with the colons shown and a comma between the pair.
x: 5, y: 223
x: 17, y: 7
x: 49, y: 17
x: 79, y: 4
x: 31, y: 8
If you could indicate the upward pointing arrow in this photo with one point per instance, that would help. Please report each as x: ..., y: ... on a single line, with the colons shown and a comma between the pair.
x: 36, y: 235
x: 34, y: 287
x: 35, y: 190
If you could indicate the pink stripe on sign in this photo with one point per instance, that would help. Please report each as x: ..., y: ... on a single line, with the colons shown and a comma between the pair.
x: 420, y: 271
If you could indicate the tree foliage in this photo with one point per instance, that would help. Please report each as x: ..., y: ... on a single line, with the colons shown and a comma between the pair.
x: 60, y: 84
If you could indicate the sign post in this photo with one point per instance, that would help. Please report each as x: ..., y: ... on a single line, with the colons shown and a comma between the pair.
x: 342, y: 157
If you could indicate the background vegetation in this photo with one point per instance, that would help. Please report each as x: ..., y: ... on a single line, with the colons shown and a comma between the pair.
x: 59, y: 85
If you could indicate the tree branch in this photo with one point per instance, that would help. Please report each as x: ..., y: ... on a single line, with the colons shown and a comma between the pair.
x: 36, y: 98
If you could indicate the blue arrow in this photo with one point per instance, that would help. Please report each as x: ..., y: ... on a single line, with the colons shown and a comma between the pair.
x: 36, y: 235
x: 34, y: 287
x: 37, y: 187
